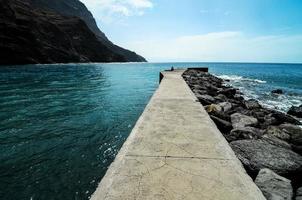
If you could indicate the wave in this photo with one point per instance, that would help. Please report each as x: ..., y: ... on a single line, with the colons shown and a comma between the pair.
x: 236, y: 78
x: 281, y: 102
x: 257, y: 89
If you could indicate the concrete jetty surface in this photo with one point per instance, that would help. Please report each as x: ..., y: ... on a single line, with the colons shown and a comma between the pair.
x: 175, y: 151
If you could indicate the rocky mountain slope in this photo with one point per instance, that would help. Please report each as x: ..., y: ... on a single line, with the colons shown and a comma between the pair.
x: 77, y: 8
x: 30, y: 32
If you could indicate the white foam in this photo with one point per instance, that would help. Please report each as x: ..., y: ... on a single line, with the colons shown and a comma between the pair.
x: 250, y: 89
x: 236, y: 78
x: 230, y: 77
x: 259, y: 81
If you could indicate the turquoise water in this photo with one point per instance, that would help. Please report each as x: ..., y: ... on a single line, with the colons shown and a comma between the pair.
x: 62, y: 125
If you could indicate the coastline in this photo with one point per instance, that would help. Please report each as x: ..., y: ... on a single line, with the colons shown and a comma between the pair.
x: 265, y: 140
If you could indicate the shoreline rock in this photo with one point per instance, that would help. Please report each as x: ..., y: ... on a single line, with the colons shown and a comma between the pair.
x: 258, y: 154
x: 295, y: 111
x: 260, y: 137
x: 274, y: 186
x: 277, y: 91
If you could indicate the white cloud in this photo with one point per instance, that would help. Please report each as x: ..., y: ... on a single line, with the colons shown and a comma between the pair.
x: 114, y: 10
x: 222, y: 46
x: 140, y: 3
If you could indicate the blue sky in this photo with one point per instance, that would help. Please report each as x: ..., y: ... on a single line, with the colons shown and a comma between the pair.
x: 204, y: 30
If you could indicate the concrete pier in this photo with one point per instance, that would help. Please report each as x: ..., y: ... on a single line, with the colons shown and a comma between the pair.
x: 174, y: 152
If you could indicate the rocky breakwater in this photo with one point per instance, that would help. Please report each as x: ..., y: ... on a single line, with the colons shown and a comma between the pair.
x: 267, y: 142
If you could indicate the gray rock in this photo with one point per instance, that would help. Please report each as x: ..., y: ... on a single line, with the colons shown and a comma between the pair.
x: 221, y: 97
x: 224, y: 126
x: 294, y: 131
x: 269, y: 120
x: 238, y: 97
x: 276, y: 141
x: 241, y: 110
x: 291, y: 128
x: 199, y: 87
x: 199, y: 92
x: 295, y: 111
x: 252, y: 104
x: 258, y: 154
x: 229, y: 92
x: 284, y: 118
x: 273, y: 186
x: 240, y: 120
x: 297, y: 148
x: 259, y: 114
x: 205, y: 99
x: 226, y: 106
x: 277, y: 91
x: 213, y: 89
x: 244, y: 133
x: 222, y: 115
x: 299, y: 194
x: 277, y: 132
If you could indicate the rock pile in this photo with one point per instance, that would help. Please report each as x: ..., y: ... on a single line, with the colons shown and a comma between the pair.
x: 295, y: 111
x: 267, y: 142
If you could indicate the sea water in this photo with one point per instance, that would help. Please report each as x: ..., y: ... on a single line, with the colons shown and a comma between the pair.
x: 62, y: 125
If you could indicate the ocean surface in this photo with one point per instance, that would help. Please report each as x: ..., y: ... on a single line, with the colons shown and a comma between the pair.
x: 62, y: 125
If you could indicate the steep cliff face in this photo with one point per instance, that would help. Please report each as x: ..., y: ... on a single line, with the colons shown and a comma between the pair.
x: 70, y: 8
x: 30, y: 34
x: 77, y: 8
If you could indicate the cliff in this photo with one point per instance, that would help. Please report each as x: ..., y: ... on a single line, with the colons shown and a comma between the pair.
x: 33, y: 31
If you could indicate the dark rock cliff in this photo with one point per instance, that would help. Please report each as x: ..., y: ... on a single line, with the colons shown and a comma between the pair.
x: 77, y: 8
x: 33, y: 33
x: 70, y: 8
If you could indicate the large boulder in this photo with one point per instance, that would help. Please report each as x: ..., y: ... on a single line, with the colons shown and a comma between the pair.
x: 226, y: 106
x: 205, y: 99
x: 294, y: 131
x: 221, y: 98
x: 299, y: 194
x: 284, y: 118
x: 276, y: 141
x: 295, y: 111
x: 229, y: 92
x: 252, y: 104
x: 239, y: 109
x: 259, y: 114
x: 199, y: 92
x: 212, y: 90
x: 198, y: 87
x: 240, y: 120
x: 221, y: 115
x: 273, y: 186
x: 297, y: 148
x: 277, y: 132
x: 238, y: 97
x: 269, y: 120
x: 244, y: 133
x: 258, y: 154
x: 277, y: 91
x: 224, y: 126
